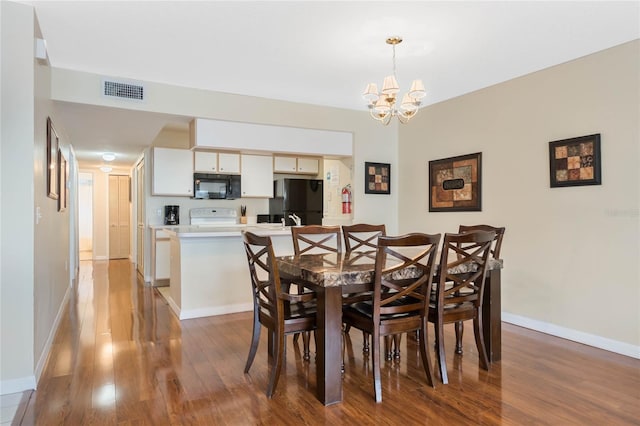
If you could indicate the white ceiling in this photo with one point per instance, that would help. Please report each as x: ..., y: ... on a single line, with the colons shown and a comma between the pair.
x: 313, y: 52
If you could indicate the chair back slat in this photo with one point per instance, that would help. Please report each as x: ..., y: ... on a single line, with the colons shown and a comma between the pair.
x: 265, y: 277
x: 497, y: 242
x: 463, y: 268
x: 316, y: 239
x: 362, y: 236
x: 404, y: 271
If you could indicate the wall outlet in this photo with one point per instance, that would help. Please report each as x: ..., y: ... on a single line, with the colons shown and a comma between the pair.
x: 159, y: 212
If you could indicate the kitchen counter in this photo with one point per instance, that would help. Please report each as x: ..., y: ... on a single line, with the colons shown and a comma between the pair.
x: 198, y: 231
x: 209, y: 274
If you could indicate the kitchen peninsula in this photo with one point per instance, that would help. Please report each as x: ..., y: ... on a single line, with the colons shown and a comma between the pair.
x: 209, y: 271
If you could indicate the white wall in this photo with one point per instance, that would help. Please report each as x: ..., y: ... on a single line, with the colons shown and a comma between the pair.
x: 571, y: 254
x: 35, y: 271
x: 17, y: 206
x: 372, y: 142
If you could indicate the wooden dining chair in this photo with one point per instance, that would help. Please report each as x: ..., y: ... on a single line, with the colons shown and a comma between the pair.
x: 403, y: 275
x: 280, y: 312
x: 459, y: 289
x: 495, y: 253
x: 316, y: 239
x: 313, y: 239
x: 497, y: 242
x: 363, y: 237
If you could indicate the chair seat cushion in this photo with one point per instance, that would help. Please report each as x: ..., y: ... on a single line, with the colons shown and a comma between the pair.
x: 466, y: 306
x: 366, y: 307
x: 296, y: 310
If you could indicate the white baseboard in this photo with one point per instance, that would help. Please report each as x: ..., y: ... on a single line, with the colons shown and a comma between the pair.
x: 30, y: 382
x: 209, y: 312
x: 52, y: 333
x: 611, y: 345
x: 17, y: 385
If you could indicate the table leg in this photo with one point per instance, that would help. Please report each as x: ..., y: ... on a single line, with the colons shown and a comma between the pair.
x: 492, y: 316
x: 329, y: 345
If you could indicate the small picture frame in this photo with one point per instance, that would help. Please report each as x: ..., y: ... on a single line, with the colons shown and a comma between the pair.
x: 62, y: 180
x: 377, y: 178
x: 575, y: 161
x: 455, y: 184
x: 52, y: 161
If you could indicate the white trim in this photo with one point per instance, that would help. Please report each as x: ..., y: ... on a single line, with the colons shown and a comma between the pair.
x: 22, y: 384
x: 611, y: 345
x: 209, y: 312
x: 52, y: 333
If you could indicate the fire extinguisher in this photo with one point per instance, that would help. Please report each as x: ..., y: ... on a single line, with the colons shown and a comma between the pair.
x: 346, y: 199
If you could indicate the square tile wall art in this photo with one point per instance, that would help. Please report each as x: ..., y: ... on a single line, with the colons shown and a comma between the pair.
x: 377, y: 178
x: 455, y: 183
x: 575, y: 161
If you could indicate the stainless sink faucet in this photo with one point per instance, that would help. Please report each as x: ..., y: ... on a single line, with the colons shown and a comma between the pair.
x: 296, y: 219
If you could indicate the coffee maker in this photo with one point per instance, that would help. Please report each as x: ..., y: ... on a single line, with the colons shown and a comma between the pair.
x: 171, y: 215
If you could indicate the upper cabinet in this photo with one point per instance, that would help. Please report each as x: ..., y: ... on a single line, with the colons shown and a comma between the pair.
x: 216, y: 162
x: 256, y: 179
x: 302, y: 165
x: 236, y: 136
x: 172, y: 172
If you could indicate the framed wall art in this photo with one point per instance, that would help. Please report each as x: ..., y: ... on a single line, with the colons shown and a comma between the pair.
x: 455, y: 183
x: 62, y: 180
x: 377, y: 178
x: 52, y: 161
x: 575, y: 161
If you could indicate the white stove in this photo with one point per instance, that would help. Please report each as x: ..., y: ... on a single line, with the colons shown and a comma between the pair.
x: 213, y: 216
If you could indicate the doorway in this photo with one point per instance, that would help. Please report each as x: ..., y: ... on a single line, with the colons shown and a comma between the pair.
x: 119, y: 217
x: 85, y: 215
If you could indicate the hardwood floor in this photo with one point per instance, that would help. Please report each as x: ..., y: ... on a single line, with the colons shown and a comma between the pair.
x: 121, y: 357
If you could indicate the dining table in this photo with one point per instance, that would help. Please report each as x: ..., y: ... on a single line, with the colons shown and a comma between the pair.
x: 331, y: 275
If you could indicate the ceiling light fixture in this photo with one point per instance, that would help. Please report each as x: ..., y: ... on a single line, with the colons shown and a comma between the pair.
x: 106, y: 169
x: 108, y: 156
x: 383, y: 106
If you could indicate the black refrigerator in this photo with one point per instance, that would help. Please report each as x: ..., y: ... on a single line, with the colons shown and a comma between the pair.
x: 304, y: 197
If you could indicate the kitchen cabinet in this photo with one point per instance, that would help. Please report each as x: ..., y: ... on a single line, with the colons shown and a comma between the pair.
x: 308, y: 165
x: 216, y: 162
x: 285, y: 164
x: 256, y: 179
x: 172, y: 172
x: 301, y: 165
x: 160, y: 257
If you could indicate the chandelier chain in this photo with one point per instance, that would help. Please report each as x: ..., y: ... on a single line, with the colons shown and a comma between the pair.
x: 394, y: 61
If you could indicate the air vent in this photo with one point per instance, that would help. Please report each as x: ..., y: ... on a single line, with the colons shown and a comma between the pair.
x: 122, y: 90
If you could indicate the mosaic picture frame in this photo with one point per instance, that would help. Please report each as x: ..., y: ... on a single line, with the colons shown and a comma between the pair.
x: 575, y: 161
x: 377, y: 178
x: 455, y: 183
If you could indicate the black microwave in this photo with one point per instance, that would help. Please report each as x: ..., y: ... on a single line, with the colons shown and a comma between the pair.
x: 219, y: 187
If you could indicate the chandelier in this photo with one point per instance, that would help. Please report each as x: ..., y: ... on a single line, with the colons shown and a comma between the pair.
x: 383, y: 106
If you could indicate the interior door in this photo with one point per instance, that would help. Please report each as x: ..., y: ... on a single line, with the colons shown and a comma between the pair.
x: 119, y: 221
x: 140, y: 217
